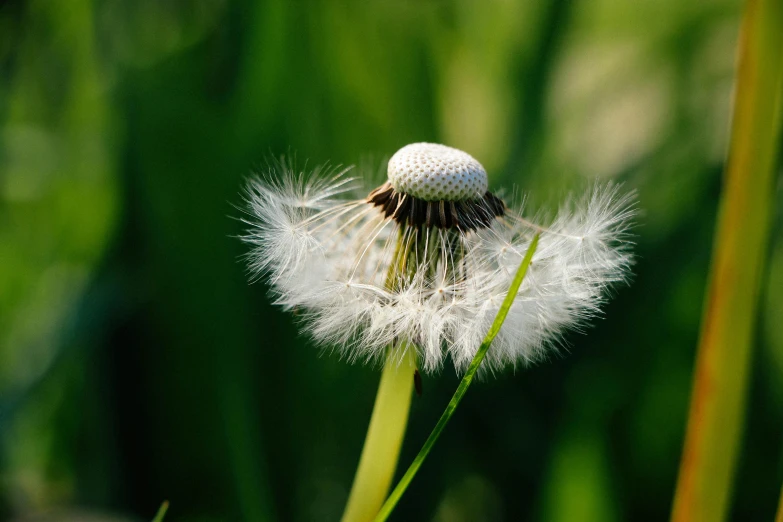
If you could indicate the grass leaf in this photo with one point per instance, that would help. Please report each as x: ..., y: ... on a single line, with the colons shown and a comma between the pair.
x: 406, y: 479
x: 161, y: 512
x: 723, y: 360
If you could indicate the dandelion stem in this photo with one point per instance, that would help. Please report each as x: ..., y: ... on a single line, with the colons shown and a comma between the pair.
x: 384, y: 436
x: 391, y: 502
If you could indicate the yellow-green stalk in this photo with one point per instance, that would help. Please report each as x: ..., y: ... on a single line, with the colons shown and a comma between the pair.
x: 389, y: 419
x: 467, y: 379
x: 721, y: 375
x: 384, y: 437
x: 779, y: 516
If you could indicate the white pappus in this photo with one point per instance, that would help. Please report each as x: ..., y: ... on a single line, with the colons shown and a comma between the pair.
x: 426, y: 259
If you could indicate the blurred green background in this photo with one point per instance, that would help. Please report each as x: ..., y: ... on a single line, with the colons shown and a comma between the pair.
x: 136, y: 362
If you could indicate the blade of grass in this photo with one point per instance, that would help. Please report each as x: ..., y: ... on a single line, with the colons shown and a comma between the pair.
x: 406, y: 479
x: 779, y: 516
x: 161, y: 512
x: 721, y: 374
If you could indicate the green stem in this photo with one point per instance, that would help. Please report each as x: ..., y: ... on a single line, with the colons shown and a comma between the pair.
x: 724, y: 357
x: 384, y: 436
x: 161, y: 512
x: 391, y: 502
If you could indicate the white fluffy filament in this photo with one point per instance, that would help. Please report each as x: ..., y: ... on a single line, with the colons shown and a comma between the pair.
x: 328, y: 253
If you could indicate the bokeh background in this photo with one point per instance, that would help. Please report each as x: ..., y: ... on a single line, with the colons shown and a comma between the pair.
x: 138, y: 364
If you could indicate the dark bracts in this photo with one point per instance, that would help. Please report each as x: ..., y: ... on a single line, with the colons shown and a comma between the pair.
x: 464, y: 215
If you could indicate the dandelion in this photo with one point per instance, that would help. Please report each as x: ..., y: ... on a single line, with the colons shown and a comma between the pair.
x: 412, y: 273
x: 427, y: 258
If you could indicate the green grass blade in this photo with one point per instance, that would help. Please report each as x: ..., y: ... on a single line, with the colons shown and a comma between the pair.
x: 723, y: 359
x: 406, y: 479
x: 161, y: 512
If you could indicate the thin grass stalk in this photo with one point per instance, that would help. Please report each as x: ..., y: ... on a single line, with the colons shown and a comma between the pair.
x: 161, y: 514
x: 405, y: 481
x: 779, y: 516
x: 720, y: 380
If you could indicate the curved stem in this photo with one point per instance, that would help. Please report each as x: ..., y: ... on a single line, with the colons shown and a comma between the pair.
x: 384, y: 436
x: 391, y: 502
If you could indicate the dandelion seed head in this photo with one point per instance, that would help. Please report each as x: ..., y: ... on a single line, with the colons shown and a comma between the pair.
x: 368, y: 272
x: 434, y: 172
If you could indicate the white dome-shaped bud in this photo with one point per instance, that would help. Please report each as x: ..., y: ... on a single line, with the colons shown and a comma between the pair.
x: 434, y: 172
